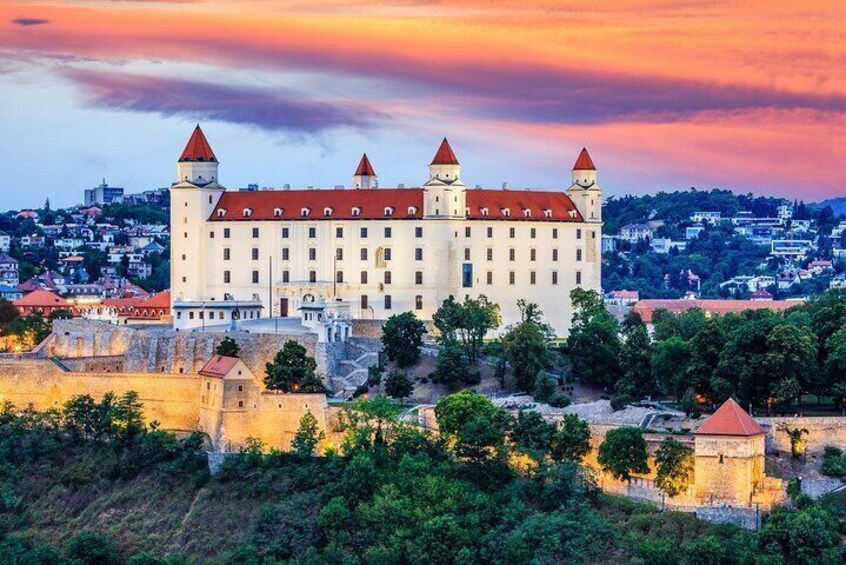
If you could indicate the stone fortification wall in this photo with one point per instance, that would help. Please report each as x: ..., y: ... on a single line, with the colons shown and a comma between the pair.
x: 368, y: 328
x: 106, y: 364
x: 821, y: 432
x: 172, y: 400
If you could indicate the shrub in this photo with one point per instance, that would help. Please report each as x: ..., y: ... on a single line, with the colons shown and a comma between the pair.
x: 834, y: 463
x: 559, y: 400
x: 92, y: 549
x: 620, y: 401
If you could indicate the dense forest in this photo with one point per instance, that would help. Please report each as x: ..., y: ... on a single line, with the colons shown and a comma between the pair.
x: 91, y: 483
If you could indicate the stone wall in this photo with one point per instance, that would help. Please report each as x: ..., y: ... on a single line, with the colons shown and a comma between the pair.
x: 821, y: 432
x: 367, y: 328
x: 106, y: 364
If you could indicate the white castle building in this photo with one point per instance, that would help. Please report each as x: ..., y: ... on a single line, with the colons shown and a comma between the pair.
x: 258, y: 254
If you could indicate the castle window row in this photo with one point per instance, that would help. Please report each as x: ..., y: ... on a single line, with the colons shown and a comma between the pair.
x: 388, y: 232
x: 385, y: 254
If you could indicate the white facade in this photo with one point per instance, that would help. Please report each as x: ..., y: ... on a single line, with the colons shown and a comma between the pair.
x: 383, y: 250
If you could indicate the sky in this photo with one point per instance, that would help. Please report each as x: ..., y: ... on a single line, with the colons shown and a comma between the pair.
x: 665, y: 94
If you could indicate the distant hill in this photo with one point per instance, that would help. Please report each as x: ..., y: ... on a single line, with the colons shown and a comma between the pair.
x: 838, y: 205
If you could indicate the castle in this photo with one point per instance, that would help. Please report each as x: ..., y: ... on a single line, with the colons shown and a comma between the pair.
x: 245, y: 255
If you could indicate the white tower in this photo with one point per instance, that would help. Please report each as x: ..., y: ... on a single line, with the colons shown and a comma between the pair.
x: 444, y: 192
x: 584, y: 192
x: 365, y: 176
x: 197, y: 164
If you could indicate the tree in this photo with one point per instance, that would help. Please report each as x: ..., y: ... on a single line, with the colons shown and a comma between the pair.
x: 674, y: 466
x: 451, y: 366
x: 398, y: 385
x: 593, y: 345
x: 228, y: 347
x: 792, y: 358
x: 307, y: 437
x: 531, y: 434
x: 92, y: 549
x: 795, y: 435
x: 802, y: 537
x: 636, y: 362
x: 293, y: 370
x: 571, y: 442
x: 623, y: 452
x: 669, y: 366
x: 402, y: 336
x: 705, y: 348
x: 525, y: 346
x: 467, y: 323
x: 476, y: 429
x: 28, y: 330
x: 835, y: 365
x: 8, y: 312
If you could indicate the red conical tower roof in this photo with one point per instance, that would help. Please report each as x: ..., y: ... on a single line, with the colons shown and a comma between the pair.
x: 584, y: 162
x: 730, y: 420
x: 445, y: 156
x: 198, y: 148
x: 365, y: 169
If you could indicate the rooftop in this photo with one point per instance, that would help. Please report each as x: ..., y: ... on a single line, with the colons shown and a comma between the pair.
x: 730, y: 420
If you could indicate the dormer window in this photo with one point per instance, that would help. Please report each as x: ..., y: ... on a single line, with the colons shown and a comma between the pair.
x: 547, y: 213
x: 389, y: 211
x: 277, y: 212
x: 527, y: 213
x: 304, y: 212
x: 412, y: 210
x: 247, y: 212
x: 506, y: 212
x: 572, y: 213
x: 485, y: 212
x: 327, y: 212
x: 221, y: 213
x: 356, y: 211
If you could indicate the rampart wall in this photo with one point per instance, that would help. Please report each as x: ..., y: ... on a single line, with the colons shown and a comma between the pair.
x: 822, y: 431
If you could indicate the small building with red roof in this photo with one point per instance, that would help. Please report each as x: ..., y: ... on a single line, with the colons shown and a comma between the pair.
x: 41, y: 303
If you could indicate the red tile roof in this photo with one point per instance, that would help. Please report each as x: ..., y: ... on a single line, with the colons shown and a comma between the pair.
x: 646, y: 308
x: 42, y: 298
x: 198, y: 148
x: 371, y: 205
x: 730, y: 420
x: 445, y: 156
x: 218, y: 366
x: 584, y: 162
x: 365, y: 168
x: 158, y: 300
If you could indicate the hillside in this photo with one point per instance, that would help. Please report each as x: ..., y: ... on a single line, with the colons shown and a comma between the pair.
x: 838, y: 205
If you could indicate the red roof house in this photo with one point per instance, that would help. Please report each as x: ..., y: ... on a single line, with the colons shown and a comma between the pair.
x: 730, y: 420
x: 41, y: 303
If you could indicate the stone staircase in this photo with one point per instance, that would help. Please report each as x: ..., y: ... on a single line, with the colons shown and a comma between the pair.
x: 361, y: 354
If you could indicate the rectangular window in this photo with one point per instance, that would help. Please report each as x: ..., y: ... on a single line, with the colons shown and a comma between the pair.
x: 363, y: 232
x: 387, y: 277
x: 512, y: 253
x: 312, y: 254
x: 578, y: 254
x: 490, y: 233
x: 532, y: 277
x: 286, y: 276
x: 578, y: 277
x: 312, y: 276
x: 254, y: 253
x: 226, y: 233
x: 511, y: 233
x: 554, y: 233
x: 339, y: 232
x: 339, y: 276
x: 226, y: 253
x: 418, y: 254
x: 466, y: 253
x: 490, y: 277
x: 467, y: 231
x: 211, y: 235
x: 285, y: 233
x: 363, y: 277
x: 533, y: 232
x: 418, y: 277
x: 227, y: 277
x: 579, y: 233
x: 312, y: 233
x: 511, y: 277
x: 286, y: 254
x: 467, y: 275
x: 388, y: 232
x: 533, y: 254
x: 339, y: 254
x: 418, y: 232
x: 255, y: 277
x: 364, y: 302
x: 388, y: 254
x: 418, y: 302
x: 364, y: 254
x: 554, y: 277
x: 555, y: 255
x: 255, y: 233
x: 490, y: 253
x: 387, y: 302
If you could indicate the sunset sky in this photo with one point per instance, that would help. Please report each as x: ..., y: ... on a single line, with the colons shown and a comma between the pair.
x: 665, y: 94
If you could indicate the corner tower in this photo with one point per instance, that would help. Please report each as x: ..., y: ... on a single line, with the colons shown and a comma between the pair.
x: 197, y: 164
x: 584, y: 192
x: 365, y: 176
x: 445, y: 194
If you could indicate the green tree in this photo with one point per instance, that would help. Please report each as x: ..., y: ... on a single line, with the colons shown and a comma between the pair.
x: 669, y: 366
x: 525, y: 346
x: 467, y: 323
x: 398, y: 385
x: 705, y: 348
x: 402, y: 336
x: 801, y: 537
x: 623, y: 452
x: 308, y: 436
x: 8, y: 313
x: 636, y: 361
x: 674, y: 463
x: 293, y: 370
x: 92, y: 549
x: 228, y: 347
x: 571, y: 441
x: 475, y: 427
x: 593, y: 345
x: 451, y: 365
x: 28, y: 330
x: 835, y: 365
x: 792, y: 358
x: 531, y: 434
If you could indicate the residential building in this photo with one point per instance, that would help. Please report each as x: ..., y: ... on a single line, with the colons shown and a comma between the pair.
x: 8, y: 270
x: 103, y: 194
x: 706, y: 217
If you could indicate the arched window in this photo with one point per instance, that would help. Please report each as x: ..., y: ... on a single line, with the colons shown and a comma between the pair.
x: 547, y: 213
x: 485, y: 212
x: 277, y: 212
x: 247, y: 212
x: 304, y: 212
x: 412, y: 210
x: 389, y: 211
x: 327, y: 212
x: 527, y: 213
x: 356, y: 211
x: 506, y: 212
x: 221, y: 212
